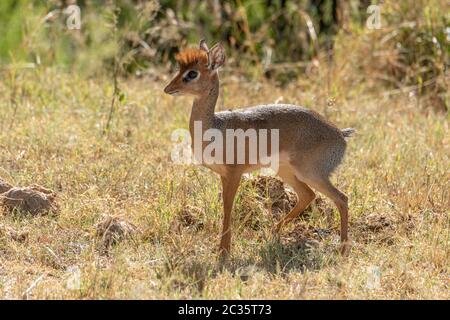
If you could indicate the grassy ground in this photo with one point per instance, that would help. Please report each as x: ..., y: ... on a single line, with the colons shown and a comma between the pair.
x: 395, y: 173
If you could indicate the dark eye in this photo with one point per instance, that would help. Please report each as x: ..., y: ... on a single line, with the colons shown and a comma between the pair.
x: 191, y: 75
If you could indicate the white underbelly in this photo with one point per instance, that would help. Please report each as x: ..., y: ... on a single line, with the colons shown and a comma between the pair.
x: 273, y: 165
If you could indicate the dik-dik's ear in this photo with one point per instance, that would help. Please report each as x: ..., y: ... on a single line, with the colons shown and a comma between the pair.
x: 203, y: 46
x: 216, y: 57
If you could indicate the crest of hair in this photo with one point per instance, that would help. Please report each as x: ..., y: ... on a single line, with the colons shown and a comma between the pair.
x: 191, y: 56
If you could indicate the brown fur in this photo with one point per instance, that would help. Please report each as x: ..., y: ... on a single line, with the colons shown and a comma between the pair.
x: 312, y: 146
x: 190, y: 57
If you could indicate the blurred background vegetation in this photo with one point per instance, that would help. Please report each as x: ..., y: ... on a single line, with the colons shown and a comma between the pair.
x: 279, y: 40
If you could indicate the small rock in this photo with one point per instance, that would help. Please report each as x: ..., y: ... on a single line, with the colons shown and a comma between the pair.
x: 111, y: 230
x: 33, y: 200
x: 190, y: 217
x: 376, y: 222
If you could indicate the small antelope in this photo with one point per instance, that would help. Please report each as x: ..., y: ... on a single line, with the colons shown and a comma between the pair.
x: 310, y: 147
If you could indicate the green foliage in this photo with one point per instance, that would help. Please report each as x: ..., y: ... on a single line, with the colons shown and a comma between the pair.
x: 409, y: 52
x: 154, y: 31
x: 279, y: 39
x: 15, y: 25
x: 37, y: 32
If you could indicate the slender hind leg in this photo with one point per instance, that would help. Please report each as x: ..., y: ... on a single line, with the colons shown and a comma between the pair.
x: 304, y: 197
x: 341, y: 201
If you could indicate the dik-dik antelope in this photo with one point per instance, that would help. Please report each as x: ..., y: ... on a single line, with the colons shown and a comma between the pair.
x: 310, y: 147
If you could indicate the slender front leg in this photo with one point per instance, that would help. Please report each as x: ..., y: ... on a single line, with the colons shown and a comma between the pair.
x: 230, y: 184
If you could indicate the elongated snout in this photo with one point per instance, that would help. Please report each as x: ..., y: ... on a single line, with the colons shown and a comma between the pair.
x: 172, y: 87
x: 168, y: 89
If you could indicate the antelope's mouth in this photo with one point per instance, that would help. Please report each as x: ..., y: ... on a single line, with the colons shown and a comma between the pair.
x: 171, y: 91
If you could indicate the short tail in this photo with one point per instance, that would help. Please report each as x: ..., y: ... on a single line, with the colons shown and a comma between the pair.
x: 348, y: 132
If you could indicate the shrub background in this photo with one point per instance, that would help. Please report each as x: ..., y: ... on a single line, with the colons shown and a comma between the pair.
x: 277, y: 39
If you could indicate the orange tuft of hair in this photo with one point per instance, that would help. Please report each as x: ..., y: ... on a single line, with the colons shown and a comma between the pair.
x: 191, y: 56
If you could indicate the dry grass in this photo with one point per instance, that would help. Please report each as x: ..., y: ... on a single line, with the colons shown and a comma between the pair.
x: 395, y: 173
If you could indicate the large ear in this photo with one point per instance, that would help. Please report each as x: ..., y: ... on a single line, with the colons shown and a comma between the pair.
x: 216, y: 57
x: 203, y: 46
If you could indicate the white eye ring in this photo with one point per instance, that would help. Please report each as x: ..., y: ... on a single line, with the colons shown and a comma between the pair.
x: 187, y: 79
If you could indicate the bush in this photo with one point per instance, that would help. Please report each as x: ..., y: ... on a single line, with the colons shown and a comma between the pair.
x: 409, y: 52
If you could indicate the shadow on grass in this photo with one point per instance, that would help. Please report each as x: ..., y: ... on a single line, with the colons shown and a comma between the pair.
x: 191, y: 275
x: 282, y: 256
x: 297, y: 251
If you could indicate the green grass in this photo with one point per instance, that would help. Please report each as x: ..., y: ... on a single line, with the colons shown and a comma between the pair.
x: 395, y: 173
